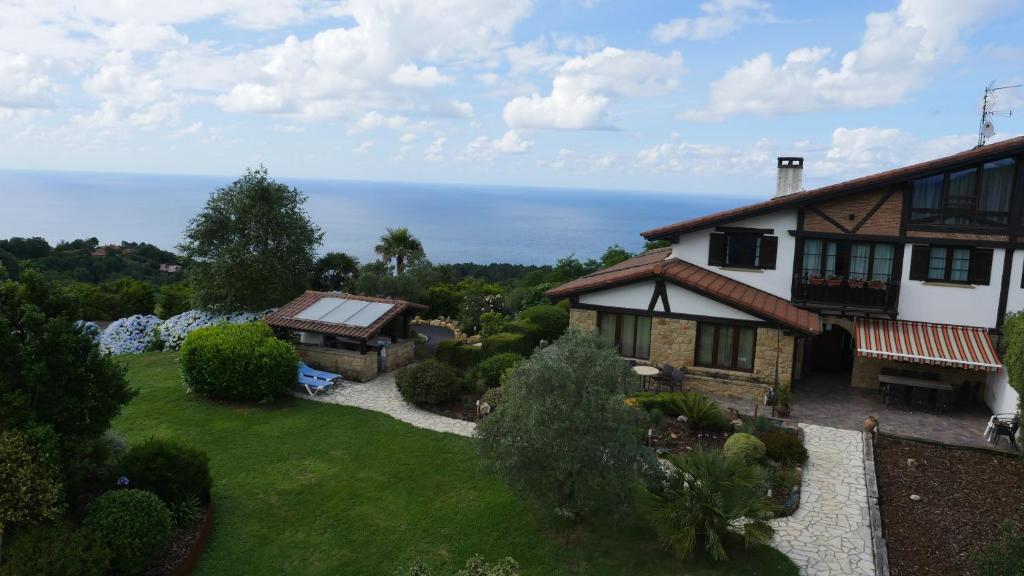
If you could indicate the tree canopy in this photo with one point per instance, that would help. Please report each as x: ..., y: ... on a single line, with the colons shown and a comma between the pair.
x: 335, y: 271
x: 252, y: 247
x: 563, y: 435
x: 400, y: 245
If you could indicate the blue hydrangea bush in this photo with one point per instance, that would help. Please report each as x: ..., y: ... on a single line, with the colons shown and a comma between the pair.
x: 174, y: 330
x: 131, y: 335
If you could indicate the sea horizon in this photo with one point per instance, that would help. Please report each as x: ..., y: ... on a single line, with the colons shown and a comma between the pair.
x: 456, y: 222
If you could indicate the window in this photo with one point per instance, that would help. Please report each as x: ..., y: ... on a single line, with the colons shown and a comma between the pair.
x: 978, y: 196
x: 743, y: 248
x: 959, y: 264
x: 858, y: 260
x: 725, y: 346
x: 629, y: 333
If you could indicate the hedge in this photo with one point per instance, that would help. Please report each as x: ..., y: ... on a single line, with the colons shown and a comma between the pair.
x: 526, y: 328
x: 507, y: 342
x: 491, y: 369
x: 428, y: 383
x: 134, y: 525
x: 238, y: 362
x: 551, y: 320
x: 171, y: 471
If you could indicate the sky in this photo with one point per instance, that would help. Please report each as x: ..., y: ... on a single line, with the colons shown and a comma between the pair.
x: 680, y: 97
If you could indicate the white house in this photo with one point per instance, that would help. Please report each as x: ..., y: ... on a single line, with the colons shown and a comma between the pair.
x: 905, y: 273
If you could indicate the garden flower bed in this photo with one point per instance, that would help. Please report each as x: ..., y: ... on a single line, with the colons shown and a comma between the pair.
x: 964, y: 496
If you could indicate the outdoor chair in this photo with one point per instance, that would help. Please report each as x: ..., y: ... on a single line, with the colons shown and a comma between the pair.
x: 664, y: 378
x: 316, y: 381
x: 1003, y: 425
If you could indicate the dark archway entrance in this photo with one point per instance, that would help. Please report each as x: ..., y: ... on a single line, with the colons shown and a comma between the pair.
x: 832, y: 351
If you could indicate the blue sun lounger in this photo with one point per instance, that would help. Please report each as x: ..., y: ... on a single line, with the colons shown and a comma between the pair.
x: 316, y: 381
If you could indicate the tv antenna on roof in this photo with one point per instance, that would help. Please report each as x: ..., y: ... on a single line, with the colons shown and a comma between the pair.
x: 985, y: 128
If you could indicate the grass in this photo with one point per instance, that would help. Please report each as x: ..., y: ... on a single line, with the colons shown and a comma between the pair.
x: 311, y: 488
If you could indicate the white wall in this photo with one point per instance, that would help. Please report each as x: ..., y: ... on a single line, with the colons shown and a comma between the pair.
x: 965, y: 305
x: 693, y: 248
x: 999, y: 396
x: 637, y: 296
x: 1015, y: 295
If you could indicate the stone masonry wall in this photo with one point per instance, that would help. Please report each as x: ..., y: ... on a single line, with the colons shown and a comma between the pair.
x: 399, y: 354
x: 772, y: 344
x: 350, y: 364
x: 586, y: 319
x: 672, y: 341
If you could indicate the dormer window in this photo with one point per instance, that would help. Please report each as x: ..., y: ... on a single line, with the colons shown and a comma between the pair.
x: 978, y: 196
x: 743, y: 248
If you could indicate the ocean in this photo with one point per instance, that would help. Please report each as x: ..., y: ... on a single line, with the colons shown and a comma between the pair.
x: 455, y: 222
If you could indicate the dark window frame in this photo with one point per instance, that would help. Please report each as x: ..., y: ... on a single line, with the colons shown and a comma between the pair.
x: 617, y: 338
x: 979, y: 259
x: 736, y: 329
x: 844, y: 257
x: 765, y: 247
x: 975, y: 216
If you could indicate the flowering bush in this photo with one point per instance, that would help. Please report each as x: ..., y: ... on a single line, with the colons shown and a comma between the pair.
x: 174, y: 330
x: 89, y: 329
x: 131, y: 335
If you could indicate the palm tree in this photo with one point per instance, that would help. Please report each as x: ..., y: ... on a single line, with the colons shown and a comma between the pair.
x: 399, y: 244
x: 335, y: 271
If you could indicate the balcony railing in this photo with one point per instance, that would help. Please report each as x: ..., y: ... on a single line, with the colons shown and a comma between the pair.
x: 846, y: 294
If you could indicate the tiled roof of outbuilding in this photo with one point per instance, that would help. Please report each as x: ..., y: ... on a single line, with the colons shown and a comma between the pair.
x: 658, y: 263
x: 285, y: 316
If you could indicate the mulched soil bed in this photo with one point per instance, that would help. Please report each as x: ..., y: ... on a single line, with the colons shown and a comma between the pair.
x: 462, y: 408
x: 677, y: 438
x: 965, y: 496
x: 183, y: 538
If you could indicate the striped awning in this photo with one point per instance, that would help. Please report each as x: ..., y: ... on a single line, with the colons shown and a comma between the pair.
x: 924, y: 343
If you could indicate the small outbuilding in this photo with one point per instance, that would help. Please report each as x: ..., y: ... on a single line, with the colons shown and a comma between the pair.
x: 355, y: 336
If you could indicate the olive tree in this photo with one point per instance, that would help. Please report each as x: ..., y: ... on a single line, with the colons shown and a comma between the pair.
x: 563, y: 434
x: 252, y: 247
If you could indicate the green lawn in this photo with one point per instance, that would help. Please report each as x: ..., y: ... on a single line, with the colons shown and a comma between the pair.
x: 310, y: 488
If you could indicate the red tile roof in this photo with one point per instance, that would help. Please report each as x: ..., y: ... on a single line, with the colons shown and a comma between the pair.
x: 658, y: 263
x: 284, y: 317
x: 875, y: 180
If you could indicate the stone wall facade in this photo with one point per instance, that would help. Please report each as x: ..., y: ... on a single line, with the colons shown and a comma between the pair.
x: 585, y: 319
x: 673, y: 341
x: 350, y: 364
x: 399, y: 354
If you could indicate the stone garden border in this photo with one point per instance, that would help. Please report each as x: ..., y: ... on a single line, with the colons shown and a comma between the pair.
x: 188, y: 563
x: 881, y: 554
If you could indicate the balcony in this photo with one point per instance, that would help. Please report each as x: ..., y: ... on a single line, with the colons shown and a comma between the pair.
x: 846, y: 295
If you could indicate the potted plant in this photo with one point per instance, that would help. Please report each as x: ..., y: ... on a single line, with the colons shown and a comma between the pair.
x: 834, y: 281
x: 855, y: 282
x: 816, y: 280
x: 783, y: 401
x: 876, y: 285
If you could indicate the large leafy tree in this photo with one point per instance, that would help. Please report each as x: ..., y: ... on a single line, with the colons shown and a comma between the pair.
x: 563, y: 435
x: 400, y: 245
x: 32, y: 489
x: 335, y: 271
x: 252, y: 247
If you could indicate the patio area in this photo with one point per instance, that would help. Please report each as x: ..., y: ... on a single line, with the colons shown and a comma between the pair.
x: 829, y: 400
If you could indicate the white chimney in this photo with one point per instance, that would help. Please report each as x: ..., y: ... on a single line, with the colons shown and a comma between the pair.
x: 791, y: 175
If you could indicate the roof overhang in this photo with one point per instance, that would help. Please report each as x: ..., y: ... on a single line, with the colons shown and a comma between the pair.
x: 944, y: 345
x: 327, y: 312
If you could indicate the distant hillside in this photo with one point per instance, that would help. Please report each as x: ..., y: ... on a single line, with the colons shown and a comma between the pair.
x: 84, y: 260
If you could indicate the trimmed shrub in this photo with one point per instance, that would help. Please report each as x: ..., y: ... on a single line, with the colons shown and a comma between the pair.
x: 445, y: 351
x: 491, y: 369
x: 55, y: 550
x: 428, y: 383
x: 664, y: 403
x: 526, y: 328
x: 467, y: 356
x: 493, y: 322
x: 133, y: 524
x: 238, y: 362
x: 783, y: 447
x: 507, y: 342
x: 492, y: 396
x: 171, y: 471
x: 550, y: 319
x: 744, y: 446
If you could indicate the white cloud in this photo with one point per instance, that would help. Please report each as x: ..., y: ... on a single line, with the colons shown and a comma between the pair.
x: 583, y: 87
x: 189, y: 130
x: 141, y: 36
x: 897, y: 54
x: 511, y: 142
x: 863, y: 151
x: 408, y: 138
x: 721, y: 17
x: 22, y: 85
x: 414, y: 76
x: 250, y: 97
x: 373, y: 120
x: 435, y: 152
x: 364, y: 147
x: 581, y: 163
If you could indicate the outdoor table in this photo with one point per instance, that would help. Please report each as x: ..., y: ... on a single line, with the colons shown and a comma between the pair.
x: 645, y: 373
x: 893, y: 381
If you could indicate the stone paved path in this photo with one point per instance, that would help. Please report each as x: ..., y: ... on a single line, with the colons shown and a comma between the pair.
x: 382, y: 395
x: 829, y: 534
